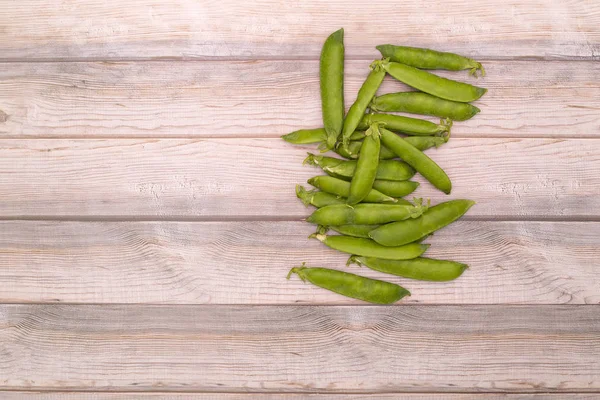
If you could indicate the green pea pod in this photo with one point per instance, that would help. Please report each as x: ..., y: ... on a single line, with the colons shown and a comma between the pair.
x: 353, y: 151
x: 426, y: 142
x: 331, y: 71
x: 403, y: 232
x: 350, y: 285
x: 358, y: 135
x: 364, y: 214
x: 424, y: 104
x: 306, y: 136
x: 361, y: 231
x: 366, y: 167
x: 436, y: 85
x: 317, y: 198
x: 395, y: 188
x: 407, y: 125
x: 365, y: 94
x: 429, y: 59
x: 420, y: 268
x: 392, y: 170
x: 341, y: 188
x: 418, y: 160
x: 369, y: 248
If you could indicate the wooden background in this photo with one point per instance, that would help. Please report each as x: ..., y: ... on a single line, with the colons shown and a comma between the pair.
x: 148, y: 215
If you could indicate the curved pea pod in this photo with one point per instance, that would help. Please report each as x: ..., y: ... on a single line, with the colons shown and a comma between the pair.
x: 317, y: 198
x: 407, y: 125
x: 369, y: 248
x: 418, y: 160
x: 366, y: 166
x: 358, y: 135
x: 365, y: 94
x: 392, y: 170
x: 331, y: 73
x: 306, y: 136
x: 429, y: 59
x: 424, y: 104
x: 403, y: 232
x: 426, y: 142
x: 360, y: 231
x: 395, y: 188
x: 420, y: 268
x: 436, y: 85
x: 353, y: 150
x: 341, y: 188
x: 351, y: 285
x: 364, y: 214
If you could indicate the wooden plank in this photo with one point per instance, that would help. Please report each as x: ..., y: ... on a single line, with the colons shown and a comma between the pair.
x: 255, y: 178
x: 268, y: 98
x: 287, y: 396
x: 301, y: 349
x: 109, y: 29
x: 246, y: 263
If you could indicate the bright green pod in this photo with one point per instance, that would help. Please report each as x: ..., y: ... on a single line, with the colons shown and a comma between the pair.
x: 353, y: 151
x: 420, y: 268
x: 351, y: 285
x: 364, y: 214
x: 435, y: 85
x: 365, y: 95
x: 306, y: 136
x: 395, y: 188
x: 392, y: 170
x: 429, y: 59
x: 408, y: 231
x: 426, y: 142
x: 369, y: 248
x: 423, y: 104
x: 366, y: 166
x: 418, y: 160
x: 341, y: 188
x: 361, y: 231
x: 317, y: 198
x: 331, y: 73
x: 407, y: 125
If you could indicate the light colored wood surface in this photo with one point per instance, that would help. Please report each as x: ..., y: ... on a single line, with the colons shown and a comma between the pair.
x: 287, y: 396
x: 246, y: 263
x: 140, y: 165
x: 141, y: 29
x: 269, y: 98
x: 301, y: 348
x: 255, y: 178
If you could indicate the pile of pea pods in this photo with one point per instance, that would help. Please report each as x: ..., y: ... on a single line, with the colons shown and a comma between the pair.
x: 361, y: 197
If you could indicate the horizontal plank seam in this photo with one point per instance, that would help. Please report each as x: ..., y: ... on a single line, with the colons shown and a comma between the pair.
x: 274, y: 58
x: 593, y: 136
x: 267, y: 218
x: 317, y: 304
x: 316, y: 391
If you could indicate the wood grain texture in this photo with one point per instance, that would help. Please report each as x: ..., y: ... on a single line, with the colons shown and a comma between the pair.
x: 246, y: 263
x: 255, y: 178
x: 269, y: 98
x: 287, y: 396
x: 110, y: 29
x: 301, y: 349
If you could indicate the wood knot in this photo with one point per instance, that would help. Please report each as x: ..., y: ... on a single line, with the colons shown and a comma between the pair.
x: 3, y: 116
